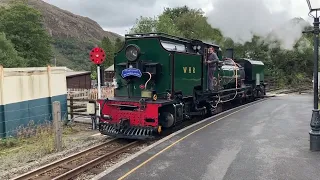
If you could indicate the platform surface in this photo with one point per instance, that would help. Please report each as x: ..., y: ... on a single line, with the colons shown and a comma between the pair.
x: 265, y: 141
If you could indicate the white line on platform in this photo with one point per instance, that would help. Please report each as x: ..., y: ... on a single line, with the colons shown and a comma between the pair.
x: 279, y: 95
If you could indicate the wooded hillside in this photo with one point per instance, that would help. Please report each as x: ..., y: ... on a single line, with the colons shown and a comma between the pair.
x: 72, y: 36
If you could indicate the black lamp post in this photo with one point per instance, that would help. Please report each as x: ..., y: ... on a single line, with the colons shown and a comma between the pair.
x: 314, y: 7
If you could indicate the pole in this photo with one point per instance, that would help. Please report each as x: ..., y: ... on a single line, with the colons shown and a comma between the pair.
x: 316, y: 60
x: 315, y: 119
x: 99, y: 85
x: 56, y: 110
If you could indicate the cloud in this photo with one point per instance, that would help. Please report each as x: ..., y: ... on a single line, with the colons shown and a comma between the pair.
x: 238, y: 19
x: 110, y: 13
x: 117, y: 14
x: 289, y: 33
x: 241, y: 19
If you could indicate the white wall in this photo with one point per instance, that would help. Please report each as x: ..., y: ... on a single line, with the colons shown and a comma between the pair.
x: 23, y: 84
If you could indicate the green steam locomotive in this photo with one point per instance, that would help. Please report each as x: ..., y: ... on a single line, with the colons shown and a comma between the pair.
x: 162, y: 80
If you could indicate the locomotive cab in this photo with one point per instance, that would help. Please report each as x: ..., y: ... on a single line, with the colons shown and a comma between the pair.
x: 135, y: 66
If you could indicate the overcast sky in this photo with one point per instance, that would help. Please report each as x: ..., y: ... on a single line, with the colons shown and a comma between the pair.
x: 119, y: 15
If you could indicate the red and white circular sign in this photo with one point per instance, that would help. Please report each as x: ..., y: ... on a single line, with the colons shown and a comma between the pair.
x: 97, y: 55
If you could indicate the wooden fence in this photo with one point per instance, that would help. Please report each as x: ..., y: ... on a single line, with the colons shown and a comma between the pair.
x: 78, y: 99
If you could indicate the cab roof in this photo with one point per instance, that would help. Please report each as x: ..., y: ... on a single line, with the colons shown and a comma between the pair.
x: 168, y: 37
x: 254, y: 62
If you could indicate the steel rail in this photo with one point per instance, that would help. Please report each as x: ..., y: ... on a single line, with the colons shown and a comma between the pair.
x: 84, y: 167
x: 58, y: 163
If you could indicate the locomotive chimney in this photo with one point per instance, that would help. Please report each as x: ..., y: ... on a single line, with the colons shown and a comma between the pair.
x: 229, y: 53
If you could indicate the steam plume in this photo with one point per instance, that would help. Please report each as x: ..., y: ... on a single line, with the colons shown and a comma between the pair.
x: 241, y: 19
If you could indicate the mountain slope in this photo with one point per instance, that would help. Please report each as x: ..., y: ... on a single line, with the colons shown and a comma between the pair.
x: 74, y: 36
x: 64, y: 24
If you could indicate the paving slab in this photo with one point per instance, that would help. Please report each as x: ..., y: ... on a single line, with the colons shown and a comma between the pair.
x: 265, y: 141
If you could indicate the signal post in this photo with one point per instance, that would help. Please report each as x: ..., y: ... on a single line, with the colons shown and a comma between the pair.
x: 97, y: 56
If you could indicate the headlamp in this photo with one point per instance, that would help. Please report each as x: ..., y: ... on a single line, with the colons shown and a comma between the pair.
x: 132, y: 52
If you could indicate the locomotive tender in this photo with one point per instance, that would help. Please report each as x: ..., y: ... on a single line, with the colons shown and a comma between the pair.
x: 161, y: 81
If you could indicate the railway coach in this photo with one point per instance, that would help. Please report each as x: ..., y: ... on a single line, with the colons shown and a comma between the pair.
x: 162, y: 80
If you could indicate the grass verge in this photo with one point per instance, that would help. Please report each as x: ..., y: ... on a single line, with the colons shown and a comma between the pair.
x: 33, y: 138
x: 34, y: 146
x: 36, y: 141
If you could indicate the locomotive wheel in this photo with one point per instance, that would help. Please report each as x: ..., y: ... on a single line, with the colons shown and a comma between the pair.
x: 240, y: 101
x: 209, y: 111
x: 219, y: 108
x: 159, y: 130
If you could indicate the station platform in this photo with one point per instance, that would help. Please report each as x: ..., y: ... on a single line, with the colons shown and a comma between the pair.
x: 263, y: 141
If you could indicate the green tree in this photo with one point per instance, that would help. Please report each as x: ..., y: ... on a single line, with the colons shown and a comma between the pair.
x: 23, y: 27
x: 144, y: 25
x: 177, y: 12
x: 108, y: 47
x: 118, y: 45
x: 162, y: 24
x: 180, y: 21
x: 93, y: 69
x: 192, y: 23
x: 8, y: 55
x: 166, y: 25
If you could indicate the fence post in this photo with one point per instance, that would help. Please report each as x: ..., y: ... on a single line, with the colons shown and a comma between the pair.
x: 49, y: 86
x: 71, y: 108
x: 94, y: 117
x: 56, y: 109
x: 2, y: 114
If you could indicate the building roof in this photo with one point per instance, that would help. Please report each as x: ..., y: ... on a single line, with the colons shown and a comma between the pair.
x: 111, y: 68
x: 69, y: 70
x: 253, y: 61
x: 76, y: 73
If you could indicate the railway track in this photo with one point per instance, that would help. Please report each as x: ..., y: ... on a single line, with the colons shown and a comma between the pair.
x: 76, y: 164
